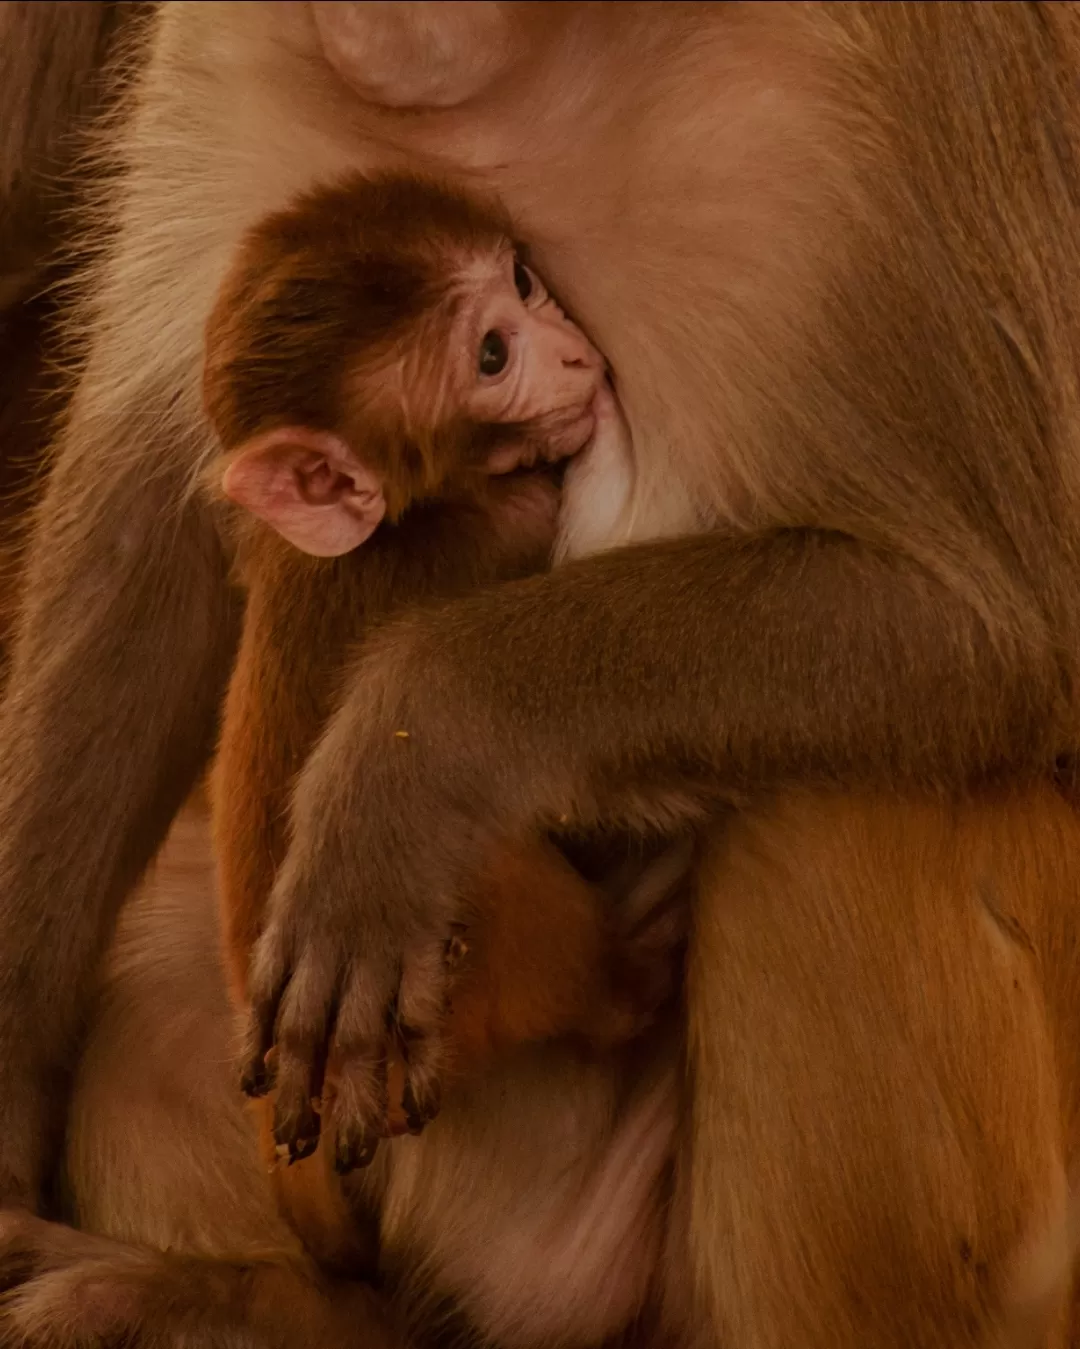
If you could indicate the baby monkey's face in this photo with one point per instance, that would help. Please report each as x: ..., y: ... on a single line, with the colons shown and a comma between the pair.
x: 490, y: 376
x: 519, y: 361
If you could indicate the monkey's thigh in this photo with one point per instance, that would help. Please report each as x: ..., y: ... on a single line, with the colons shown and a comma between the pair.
x: 877, y: 1135
x: 181, y: 1244
x: 161, y: 1149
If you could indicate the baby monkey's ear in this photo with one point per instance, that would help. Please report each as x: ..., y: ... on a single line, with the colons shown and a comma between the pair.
x: 309, y: 486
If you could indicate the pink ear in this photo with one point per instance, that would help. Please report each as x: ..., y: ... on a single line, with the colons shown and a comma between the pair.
x: 309, y: 486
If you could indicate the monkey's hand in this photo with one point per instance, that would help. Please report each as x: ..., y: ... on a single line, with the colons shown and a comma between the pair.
x: 356, y: 948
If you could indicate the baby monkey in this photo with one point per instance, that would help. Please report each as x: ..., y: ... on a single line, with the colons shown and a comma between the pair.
x: 384, y: 343
x: 395, y: 391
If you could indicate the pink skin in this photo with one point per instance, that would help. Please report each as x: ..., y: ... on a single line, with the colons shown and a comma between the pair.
x: 309, y: 486
x: 314, y: 489
x: 553, y: 372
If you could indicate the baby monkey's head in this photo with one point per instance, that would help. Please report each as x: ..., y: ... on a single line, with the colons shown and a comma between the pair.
x: 381, y: 342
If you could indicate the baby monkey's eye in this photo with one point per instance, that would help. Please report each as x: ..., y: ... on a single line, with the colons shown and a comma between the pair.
x: 494, y: 353
x: 522, y: 280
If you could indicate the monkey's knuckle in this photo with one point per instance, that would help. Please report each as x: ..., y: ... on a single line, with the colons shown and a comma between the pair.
x: 293, y: 1069
x: 368, y: 1003
x: 360, y: 1058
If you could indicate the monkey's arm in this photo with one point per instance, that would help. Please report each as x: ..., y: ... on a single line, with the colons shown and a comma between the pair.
x: 659, y: 673
x: 544, y: 954
x: 52, y: 57
x: 116, y: 676
x: 303, y: 618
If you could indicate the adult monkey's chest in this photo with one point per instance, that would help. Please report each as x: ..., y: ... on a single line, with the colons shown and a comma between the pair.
x: 665, y: 166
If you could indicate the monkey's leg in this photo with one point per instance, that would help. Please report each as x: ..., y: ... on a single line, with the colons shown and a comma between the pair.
x: 117, y: 671
x: 85, y: 1290
x: 161, y: 1154
x: 878, y: 1154
x: 160, y: 1145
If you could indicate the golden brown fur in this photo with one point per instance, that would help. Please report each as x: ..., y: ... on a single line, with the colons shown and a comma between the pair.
x: 325, y: 297
x: 909, y: 1093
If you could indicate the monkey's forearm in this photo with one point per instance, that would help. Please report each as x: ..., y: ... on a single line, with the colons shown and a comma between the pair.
x: 783, y: 656
x: 303, y: 619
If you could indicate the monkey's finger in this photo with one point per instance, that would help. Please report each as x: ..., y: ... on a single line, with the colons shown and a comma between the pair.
x: 360, y: 1055
x: 303, y: 1031
x: 269, y: 974
x: 423, y: 1002
x: 256, y: 1073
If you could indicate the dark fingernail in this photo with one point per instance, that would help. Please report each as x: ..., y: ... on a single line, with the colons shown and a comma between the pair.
x: 422, y: 1111
x: 300, y: 1148
x: 298, y: 1130
x: 355, y: 1152
x: 258, y: 1078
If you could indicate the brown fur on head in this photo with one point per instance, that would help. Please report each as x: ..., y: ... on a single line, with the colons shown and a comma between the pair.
x: 381, y: 342
x: 345, y: 282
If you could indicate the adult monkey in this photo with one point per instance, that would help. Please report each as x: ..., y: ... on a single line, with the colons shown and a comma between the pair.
x: 844, y: 236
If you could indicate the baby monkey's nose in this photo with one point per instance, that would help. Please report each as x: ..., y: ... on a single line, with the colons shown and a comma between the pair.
x: 577, y: 353
x: 570, y: 346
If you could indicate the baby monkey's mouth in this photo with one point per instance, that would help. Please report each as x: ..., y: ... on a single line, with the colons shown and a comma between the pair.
x: 546, y: 442
x: 554, y: 472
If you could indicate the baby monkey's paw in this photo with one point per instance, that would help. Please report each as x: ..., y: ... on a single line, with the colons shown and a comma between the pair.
x: 341, y: 1041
